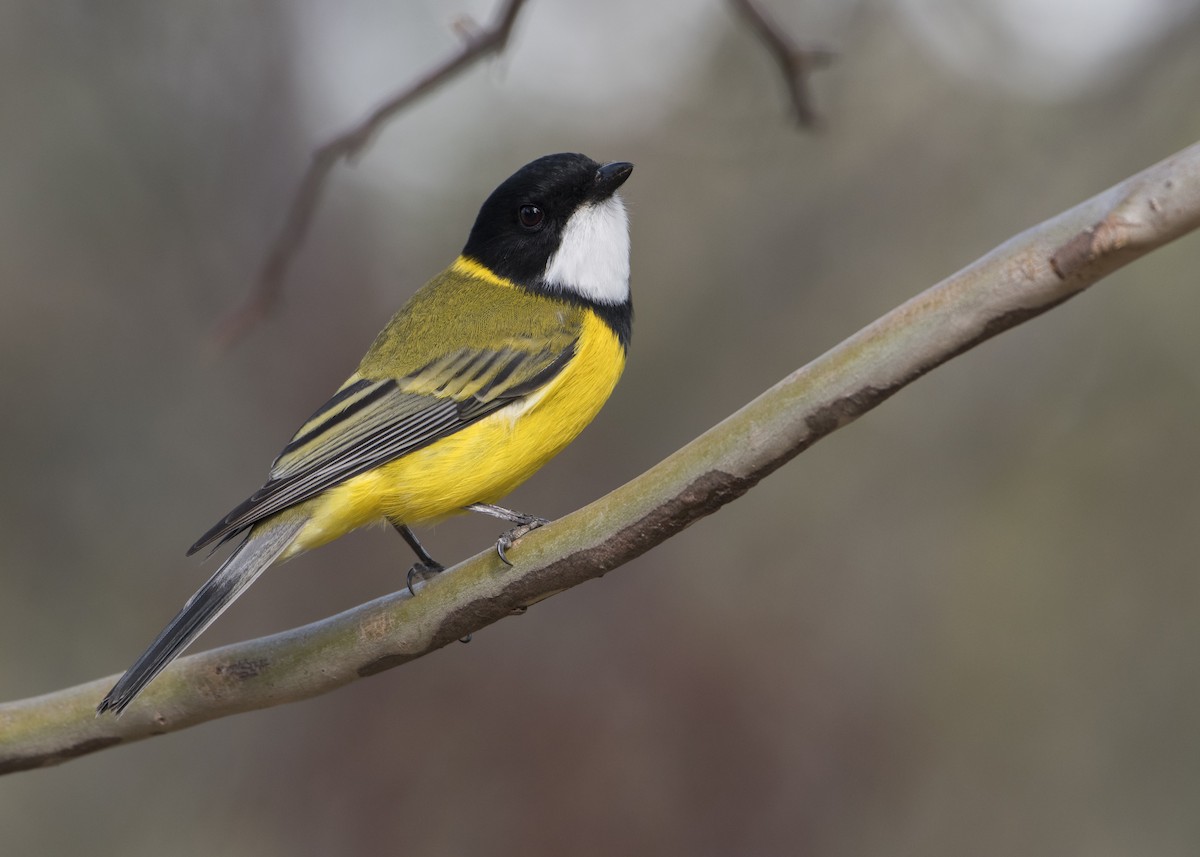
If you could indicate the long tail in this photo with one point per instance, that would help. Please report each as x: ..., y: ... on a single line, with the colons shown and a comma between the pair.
x: 252, y: 557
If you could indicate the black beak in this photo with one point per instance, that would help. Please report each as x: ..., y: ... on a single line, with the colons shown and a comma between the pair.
x: 610, y: 177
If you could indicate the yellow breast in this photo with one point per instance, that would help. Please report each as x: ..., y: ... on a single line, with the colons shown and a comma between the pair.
x: 482, y: 462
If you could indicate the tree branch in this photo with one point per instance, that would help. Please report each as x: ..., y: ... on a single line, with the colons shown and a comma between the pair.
x: 1020, y: 279
x: 796, y: 64
x: 476, y: 44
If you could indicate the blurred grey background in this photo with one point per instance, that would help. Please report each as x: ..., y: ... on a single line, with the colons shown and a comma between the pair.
x: 967, y: 624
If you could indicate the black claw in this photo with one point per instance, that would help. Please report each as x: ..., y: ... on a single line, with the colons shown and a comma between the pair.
x: 422, y: 571
x: 506, y: 541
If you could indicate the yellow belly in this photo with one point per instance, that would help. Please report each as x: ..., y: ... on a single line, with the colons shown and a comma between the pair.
x: 481, y: 463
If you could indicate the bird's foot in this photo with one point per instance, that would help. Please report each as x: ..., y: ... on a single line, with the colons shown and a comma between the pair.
x: 421, y: 572
x: 525, y: 524
x: 506, y: 541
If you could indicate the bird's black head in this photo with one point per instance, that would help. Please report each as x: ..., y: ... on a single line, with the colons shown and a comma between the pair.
x: 558, y: 226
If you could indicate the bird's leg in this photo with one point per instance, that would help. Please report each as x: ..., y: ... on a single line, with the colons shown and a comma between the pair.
x: 426, y: 567
x: 525, y: 524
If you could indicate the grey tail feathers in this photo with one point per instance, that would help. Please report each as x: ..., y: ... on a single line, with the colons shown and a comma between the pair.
x: 251, y: 558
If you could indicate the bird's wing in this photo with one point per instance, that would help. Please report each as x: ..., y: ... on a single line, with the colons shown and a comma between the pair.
x: 370, y: 422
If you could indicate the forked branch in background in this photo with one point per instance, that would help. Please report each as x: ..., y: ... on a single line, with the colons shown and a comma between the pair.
x: 795, y: 63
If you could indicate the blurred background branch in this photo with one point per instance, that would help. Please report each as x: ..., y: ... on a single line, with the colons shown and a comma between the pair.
x: 477, y: 44
x: 1022, y: 278
x: 795, y: 63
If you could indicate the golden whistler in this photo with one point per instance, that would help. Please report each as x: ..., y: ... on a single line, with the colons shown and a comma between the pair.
x: 490, y: 369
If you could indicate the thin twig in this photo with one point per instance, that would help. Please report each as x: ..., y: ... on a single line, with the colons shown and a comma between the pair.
x: 477, y: 43
x: 796, y: 63
x: 1022, y: 278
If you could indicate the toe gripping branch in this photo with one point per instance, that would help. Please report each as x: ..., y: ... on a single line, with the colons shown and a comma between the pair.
x: 525, y: 524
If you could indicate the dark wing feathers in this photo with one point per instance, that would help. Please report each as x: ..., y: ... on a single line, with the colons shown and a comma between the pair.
x: 368, y: 423
x: 483, y: 402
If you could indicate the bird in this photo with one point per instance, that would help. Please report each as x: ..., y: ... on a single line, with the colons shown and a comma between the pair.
x: 486, y: 373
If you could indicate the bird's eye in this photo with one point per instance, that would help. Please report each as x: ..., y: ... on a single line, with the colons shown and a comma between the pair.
x: 531, y: 216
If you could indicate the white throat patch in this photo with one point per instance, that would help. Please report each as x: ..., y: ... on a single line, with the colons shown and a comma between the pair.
x: 593, y: 258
